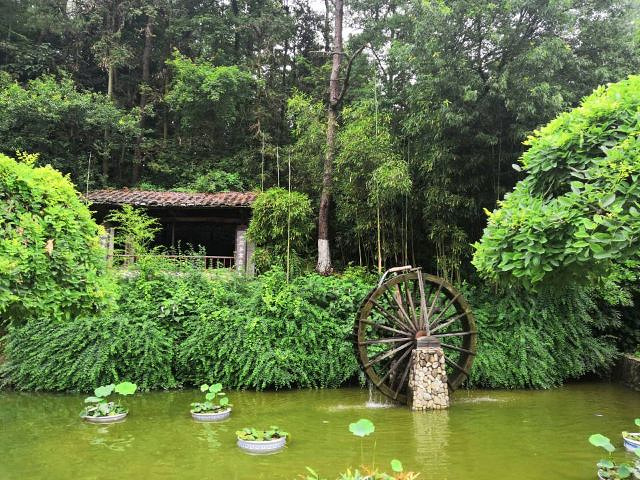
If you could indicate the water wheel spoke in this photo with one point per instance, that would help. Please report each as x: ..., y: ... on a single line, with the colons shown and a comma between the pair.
x: 393, y: 368
x: 385, y: 340
x: 455, y: 334
x: 401, y: 317
x: 388, y: 353
x: 448, y: 321
x: 412, y: 308
x: 446, y: 307
x: 397, y: 297
x: 457, y: 349
x: 456, y: 366
x: 401, y: 384
x: 389, y: 316
x: 423, y: 302
x: 433, y: 305
x: 383, y: 327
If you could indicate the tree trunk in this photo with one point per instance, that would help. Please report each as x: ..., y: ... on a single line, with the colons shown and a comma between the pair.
x: 326, y: 32
x: 324, y: 253
x: 146, y: 61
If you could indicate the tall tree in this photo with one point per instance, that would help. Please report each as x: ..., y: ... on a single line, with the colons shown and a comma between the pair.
x: 337, y: 90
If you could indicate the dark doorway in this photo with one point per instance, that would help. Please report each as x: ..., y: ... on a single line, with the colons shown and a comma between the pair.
x: 215, y: 238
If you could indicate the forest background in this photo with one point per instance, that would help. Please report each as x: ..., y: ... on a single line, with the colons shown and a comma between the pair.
x: 234, y: 95
x: 222, y: 95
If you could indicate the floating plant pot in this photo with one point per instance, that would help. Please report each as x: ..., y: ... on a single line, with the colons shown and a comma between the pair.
x: 211, y: 417
x: 631, y: 441
x: 262, y: 446
x: 106, y: 419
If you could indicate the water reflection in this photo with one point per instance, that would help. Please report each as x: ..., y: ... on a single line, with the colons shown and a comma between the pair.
x: 106, y: 438
x: 211, y: 432
x: 431, y: 436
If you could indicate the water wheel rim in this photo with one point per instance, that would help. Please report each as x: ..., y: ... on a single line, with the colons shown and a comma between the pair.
x: 404, y: 324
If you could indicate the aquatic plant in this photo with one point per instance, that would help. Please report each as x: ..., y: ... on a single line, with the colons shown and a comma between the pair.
x: 254, y: 435
x: 99, y: 404
x: 363, y: 428
x: 607, y: 468
x: 213, y: 392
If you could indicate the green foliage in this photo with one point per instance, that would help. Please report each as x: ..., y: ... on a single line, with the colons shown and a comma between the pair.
x: 190, y: 328
x: 78, y: 354
x: 362, y: 428
x: 100, y: 406
x: 539, y: 340
x: 135, y: 229
x: 217, y: 181
x: 577, y: 212
x: 253, y: 435
x: 211, y: 393
x: 270, y: 334
x: 65, y: 124
x: 279, y: 216
x: 206, y: 95
x: 607, y: 468
x: 51, y: 262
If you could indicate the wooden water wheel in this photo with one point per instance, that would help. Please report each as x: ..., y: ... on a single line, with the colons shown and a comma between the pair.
x: 406, y: 306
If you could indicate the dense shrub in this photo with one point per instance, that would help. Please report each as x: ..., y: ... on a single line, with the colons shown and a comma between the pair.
x: 283, y: 335
x: 51, y: 263
x: 539, y: 340
x: 190, y: 327
x: 84, y: 353
x: 280, y: 220
x: 577, y: 211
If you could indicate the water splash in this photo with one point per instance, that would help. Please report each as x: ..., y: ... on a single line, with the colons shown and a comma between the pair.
x: 377, y: 399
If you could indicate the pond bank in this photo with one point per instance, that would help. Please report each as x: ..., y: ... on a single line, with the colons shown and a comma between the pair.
x: 627, y: 371
x: 480, y: 434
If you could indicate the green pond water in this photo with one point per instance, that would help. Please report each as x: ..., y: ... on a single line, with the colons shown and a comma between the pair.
x: 484, y: 435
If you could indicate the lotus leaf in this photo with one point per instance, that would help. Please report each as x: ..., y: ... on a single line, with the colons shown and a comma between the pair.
x: 362, y: 427
x: 598, y: 440
x: 104, y: 391
x: 126, y: 388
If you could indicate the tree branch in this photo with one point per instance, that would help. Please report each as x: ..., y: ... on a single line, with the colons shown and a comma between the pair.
x: 345, y: 83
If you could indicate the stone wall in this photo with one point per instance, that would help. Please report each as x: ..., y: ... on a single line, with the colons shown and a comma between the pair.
x: 628, y: 371
x: 428, y: 389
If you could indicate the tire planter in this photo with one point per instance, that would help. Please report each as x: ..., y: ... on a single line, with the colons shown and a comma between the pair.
x: 211, y: 417
x: 107, y: 419
x: 631, y: 443
x: 269, y: 446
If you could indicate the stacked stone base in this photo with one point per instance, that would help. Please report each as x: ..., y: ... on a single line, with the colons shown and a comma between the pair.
x: 428, y: 389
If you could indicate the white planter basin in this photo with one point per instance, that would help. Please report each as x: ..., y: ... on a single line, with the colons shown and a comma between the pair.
x: 211, y: 417
x: 269, y: 446
x: 107, y: 418
x: 631, y: 443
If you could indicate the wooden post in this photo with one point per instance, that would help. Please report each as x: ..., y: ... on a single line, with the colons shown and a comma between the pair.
x: 106, y: 242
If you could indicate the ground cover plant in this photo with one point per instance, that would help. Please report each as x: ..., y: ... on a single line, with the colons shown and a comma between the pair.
x: 99, y: 404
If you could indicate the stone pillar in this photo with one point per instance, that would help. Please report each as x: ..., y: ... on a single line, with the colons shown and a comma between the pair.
x: 241, y: 249
x: 428, y: 389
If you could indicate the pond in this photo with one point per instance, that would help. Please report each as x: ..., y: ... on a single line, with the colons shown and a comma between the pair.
x: 484, y: 435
